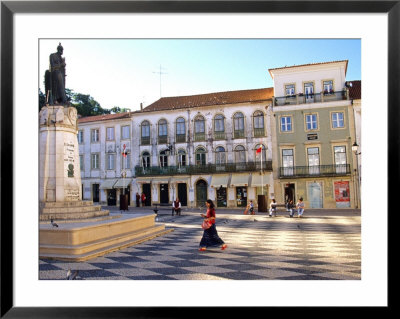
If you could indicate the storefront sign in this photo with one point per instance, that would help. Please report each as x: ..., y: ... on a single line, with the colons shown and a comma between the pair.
x: 312, y: 136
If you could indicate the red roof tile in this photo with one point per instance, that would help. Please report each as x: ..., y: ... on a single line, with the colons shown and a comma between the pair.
x: 218, y: 98
x: 104, y: 117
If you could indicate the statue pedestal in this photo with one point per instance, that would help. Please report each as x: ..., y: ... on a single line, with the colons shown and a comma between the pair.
x: 59, y: 169
x: 84, y: 231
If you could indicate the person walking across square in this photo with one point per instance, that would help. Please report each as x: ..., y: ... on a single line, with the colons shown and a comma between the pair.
x: 210, y: 236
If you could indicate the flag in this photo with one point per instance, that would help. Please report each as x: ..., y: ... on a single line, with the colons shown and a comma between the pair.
x: 259, y: 149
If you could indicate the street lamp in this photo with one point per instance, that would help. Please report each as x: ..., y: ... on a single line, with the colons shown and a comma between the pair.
x: 354, y: 148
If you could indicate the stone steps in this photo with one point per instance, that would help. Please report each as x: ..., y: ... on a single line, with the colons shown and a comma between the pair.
x: 85, y: 240
x: 70, y: 210
x: 101, y: 247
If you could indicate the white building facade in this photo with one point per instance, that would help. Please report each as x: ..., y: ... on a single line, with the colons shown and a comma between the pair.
x: 195, y: 148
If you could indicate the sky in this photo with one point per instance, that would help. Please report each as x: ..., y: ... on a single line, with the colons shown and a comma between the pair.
x: 126, y: 72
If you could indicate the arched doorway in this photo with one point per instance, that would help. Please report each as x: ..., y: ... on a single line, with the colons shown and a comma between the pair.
x: 201, y: 193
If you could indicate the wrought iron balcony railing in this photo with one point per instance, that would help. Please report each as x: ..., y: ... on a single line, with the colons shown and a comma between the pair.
x: 219, y: 135
x: 203, y: 169
x: 310, y: 98
x: 180, y: 138
x: 259, y: 132
x: 312, y: 171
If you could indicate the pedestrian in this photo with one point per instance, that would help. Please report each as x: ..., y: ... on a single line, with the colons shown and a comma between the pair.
x: 143, y: 199
x: 176, y: 207
x: 251, y: 208
x: 272, y: 208
x: 290, y: 207
x: 137, y: 199
x: 210, y: 236
x: 300, y: 207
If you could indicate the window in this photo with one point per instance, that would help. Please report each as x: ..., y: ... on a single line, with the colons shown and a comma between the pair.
x: 163, y: 159
x: 289, y: 90
x: 81, y: 161
x: 199, y: 129
x: 126, y: 132
x: 258, y: 123
x: 238, y: 125
x: 219, y: 127
x: 337, y: 120
x: 240, y: 157
x: 145, y: 133
x: 181, y: 158
x: 180, y: 130
x: 340, y: 159
x: 308, y: 89
x: 95, y: 161
x: 95, y: 137
x: 311, y: 122
x: 328, y: 87
x: 126, y: 161
x: 200, y: 156
x: 220, y: 157
x: 286, y: 124
x: 261, y: 156
x: 146, y: 159
x: 110, y: 134
x: 162, y: 131
x: 80, y: 136
x: 313, y: 160
x: 110, y: 161
x: 287, y: 162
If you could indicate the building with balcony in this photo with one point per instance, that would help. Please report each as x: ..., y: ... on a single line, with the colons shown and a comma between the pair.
x: 314, y: 125
x: 192, y: 147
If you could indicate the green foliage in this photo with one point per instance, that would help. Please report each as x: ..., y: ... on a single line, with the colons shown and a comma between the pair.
x: 42, y: 99
x: 84, y: 104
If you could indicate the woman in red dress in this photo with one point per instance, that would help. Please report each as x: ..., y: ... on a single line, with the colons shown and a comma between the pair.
x: 210, y: 236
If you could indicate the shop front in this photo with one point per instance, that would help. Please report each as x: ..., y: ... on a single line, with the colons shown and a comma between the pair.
x: 240, y: 182
x: 220, y: 184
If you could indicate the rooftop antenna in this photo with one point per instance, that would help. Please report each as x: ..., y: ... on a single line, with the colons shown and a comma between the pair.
x: 160, y: 73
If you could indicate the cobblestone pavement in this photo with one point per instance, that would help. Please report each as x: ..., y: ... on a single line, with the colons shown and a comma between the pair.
x: 323, y: 245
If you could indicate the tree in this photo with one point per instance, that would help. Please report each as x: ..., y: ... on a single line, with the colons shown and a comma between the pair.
x: 42, y: 99
x: 84, y: 104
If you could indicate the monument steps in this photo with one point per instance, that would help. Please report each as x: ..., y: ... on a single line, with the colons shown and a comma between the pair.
x: 63, y: 215
x: 85, y: 239
x: 101, y: 247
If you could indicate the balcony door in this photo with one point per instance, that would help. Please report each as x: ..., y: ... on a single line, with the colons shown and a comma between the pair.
x: 313, y: 160
x: 340, y: 159
x: 287, y: 162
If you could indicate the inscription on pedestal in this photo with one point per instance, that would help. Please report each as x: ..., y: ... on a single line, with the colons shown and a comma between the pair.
x: 69, y: 156
x: 71, y: 195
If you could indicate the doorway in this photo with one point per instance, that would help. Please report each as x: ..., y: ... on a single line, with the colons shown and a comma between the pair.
x: 164, y: 195
x: 290, y: 193
x: 315, y: 195
x: 96, y: 193
x: 221, y: 197
x: 112, y: 197
x: 201, y: 193
x: 241, y: 196
x: 147, y: 191
x: 182, y: 193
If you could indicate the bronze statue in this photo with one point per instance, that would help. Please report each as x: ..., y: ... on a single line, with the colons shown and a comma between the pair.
x: 55, y: 78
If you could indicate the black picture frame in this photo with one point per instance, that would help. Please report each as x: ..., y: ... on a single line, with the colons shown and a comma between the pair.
x: 9, y: 8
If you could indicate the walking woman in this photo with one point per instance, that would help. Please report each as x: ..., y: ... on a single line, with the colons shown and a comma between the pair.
x: 210, y: 236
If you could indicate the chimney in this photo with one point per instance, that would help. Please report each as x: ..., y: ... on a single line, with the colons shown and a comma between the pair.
x: 141, y: 106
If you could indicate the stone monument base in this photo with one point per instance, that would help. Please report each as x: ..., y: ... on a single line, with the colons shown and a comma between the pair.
x: 70, y: 210
x: 87, y: 239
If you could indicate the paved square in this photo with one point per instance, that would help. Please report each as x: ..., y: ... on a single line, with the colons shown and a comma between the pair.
x: 316, y: 247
